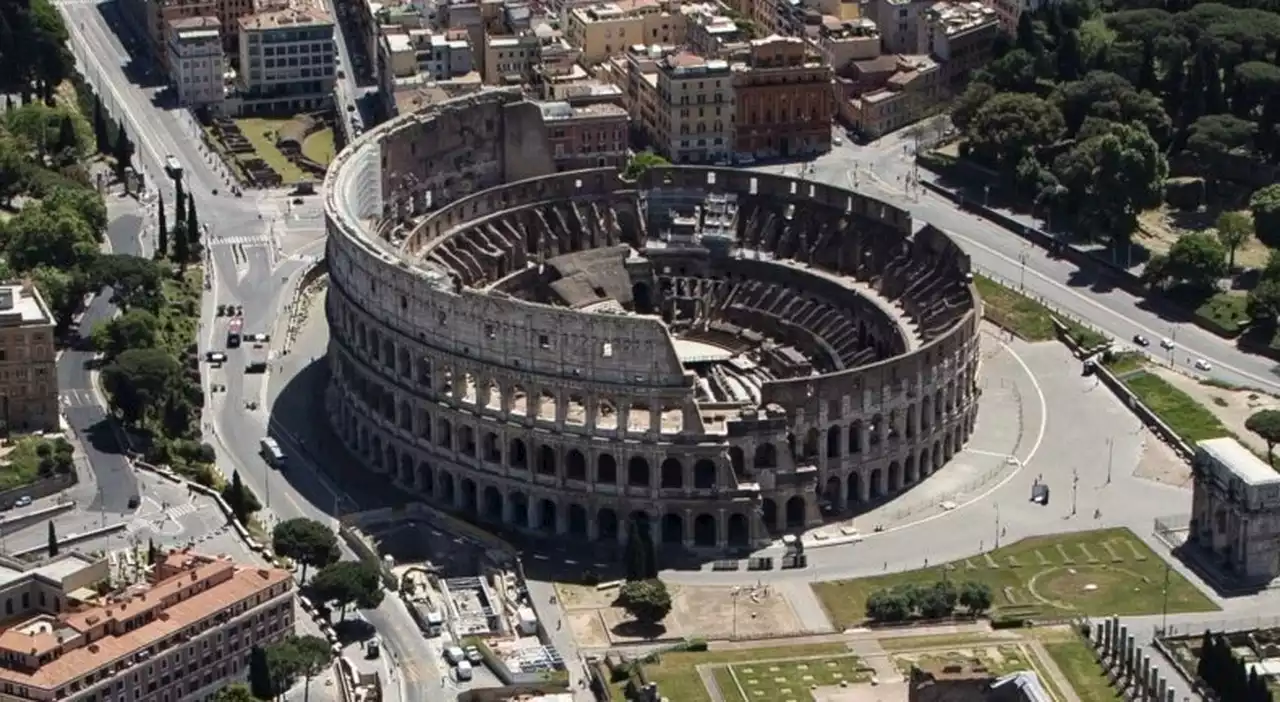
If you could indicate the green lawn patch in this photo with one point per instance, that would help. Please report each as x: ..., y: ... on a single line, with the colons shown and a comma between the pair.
x: 1125, y: 362
x: 1014, y: 311
x: 1187, y: 418
x: 1110, y: 571
x: 318, y: 146
x: 179, y: 317
x: 786, y: 679
x: 1081, y: 669
x: 1222, y: 313
x: 677, y: 675
x: 33, y: 458
x: 261, y: 133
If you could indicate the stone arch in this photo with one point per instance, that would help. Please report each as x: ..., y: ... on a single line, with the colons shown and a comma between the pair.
x: 466, y: 440
x: 546, y: 460
x: 926, y: 412
x: 705, y: 531
x: 672, y: 474
x: 853, y: 488
x: 547, y: 515
x: 876, y: 481
x: 425, y: 480
x: 947, y: 445
x: 388, y: 352
x: 607, y: 469
x: 404, y: 416
x: 704, y: 474
x: 402, y: 361
x: 833, y: 490
x: 895, y: 477
x: 575, y: 466
x: 445, y: 434
x: 406, y: 469
x: 738, y: 460
x: 672, y: 529
x: 470, y: 498
x: 769, y: 512
x: 517, y: 454
x: 909, y: 470
x: 938, y: 404
x: 492, y: 446
x: 642, y: 521
x: 924, y: 465
x: 795, y: 512
x: 833, y: 442
x: 855, y: 437
x: 578, y: 520
x: 893, y: 424
x: 766, y: 456
x: 519, y: 508
x: 492, y: 504
x: 638, y: 472
x: 959, y: 439
x: 447, y: 488
x: 607, y: 524
x: 877, y: 428
x: 811, y: 443
x: 738, y: 532
x: 389, y: 455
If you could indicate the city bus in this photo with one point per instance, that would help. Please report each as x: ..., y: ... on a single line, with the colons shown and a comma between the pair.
x: 234, y: 328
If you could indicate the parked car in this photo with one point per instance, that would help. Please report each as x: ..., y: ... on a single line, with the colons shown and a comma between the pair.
x: 1141, y: 340
x: 24, y: 501
x: 473, y: 655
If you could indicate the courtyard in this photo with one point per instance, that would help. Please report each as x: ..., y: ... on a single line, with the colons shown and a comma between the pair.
x: 788, y: 680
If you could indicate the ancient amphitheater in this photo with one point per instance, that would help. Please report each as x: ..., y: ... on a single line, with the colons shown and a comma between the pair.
x: 717, y: 355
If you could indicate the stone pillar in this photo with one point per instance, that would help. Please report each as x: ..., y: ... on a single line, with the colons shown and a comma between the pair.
x: 1131, y: 654
x: 1152, y: 680
x: 655, y: 417
x: 593, y: 528
x: 1104, y: 638
x: 509, y: 512
x: 1122, y: 645
x: 864, y: 436
x: 722, y: 529
x: 1145, y: 675
x: 590, y: 411
x: 687, y: 536
x: 1162, y: 688
x: 533, y: 516
x: 562, y: 410
x: 624, y: 416
x: 562, y: 520
x: 1171, y: 695
x: 864, y: 488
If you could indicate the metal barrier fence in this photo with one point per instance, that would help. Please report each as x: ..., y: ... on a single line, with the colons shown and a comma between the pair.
x: 1221, y: 626
x: 1021, y: 290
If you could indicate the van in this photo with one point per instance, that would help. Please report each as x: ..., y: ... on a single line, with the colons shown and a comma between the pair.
x: 455, y: 655
x: 464, y: 671
x: 270, y: 450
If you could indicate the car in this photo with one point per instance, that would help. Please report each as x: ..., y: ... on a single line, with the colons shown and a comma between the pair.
x: 1166, y: 344
x: 473, y: 655
x: 1202, y: 365
x: 838, y: 141
x: 134, y: 501
x: 1141, y: 340
x: 24, y: 501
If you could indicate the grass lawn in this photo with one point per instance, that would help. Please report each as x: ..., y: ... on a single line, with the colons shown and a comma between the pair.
x: 1126, y: 362
x: 21, y: 465
x: 178, y: 318
x: 1226, y: 309
x: 262, y: 134
x: 786, y: 680
x: 1081, y: 669
x: 319, y: 146
x: 908, y: 643
x: 677, y: 675
x: 1026, y: 317
x: 1188, y: 418
x: 1043, y: 576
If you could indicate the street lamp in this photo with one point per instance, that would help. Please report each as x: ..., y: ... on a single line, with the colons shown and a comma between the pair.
x: 997, y: 525
x: 1075, y: 483
x: 1022, y: 271
x: 1111, y: 449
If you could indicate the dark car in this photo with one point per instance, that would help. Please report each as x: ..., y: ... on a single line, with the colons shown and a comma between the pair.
x: 134, y: 502
x: 1141, y: 340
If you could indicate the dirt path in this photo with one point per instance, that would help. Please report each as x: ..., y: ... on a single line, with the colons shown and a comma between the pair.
x: 1231, y: 407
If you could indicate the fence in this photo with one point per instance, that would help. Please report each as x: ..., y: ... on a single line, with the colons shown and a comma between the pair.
x: 38, y: 489
x: 1220, y: 626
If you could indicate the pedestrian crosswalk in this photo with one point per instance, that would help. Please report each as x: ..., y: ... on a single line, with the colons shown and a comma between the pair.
x: 77, y: 398
x: 259, y: 240
x: 172, y: 514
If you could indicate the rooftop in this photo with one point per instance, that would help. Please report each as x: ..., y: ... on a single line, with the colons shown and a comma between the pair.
x: 609, y: 11
x: 274, y: 14
x: 195, y: 27
x: 958, y: 17
x: 412, y: 95
x: 23, y: 306
x: 1240, y: 461
x: 557, y: 111
x: 834, y: 29
x: 687, y: 62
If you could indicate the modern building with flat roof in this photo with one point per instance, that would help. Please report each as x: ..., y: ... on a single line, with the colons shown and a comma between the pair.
x: 196, y: 63
x: 28, y: 371
x: 286, y: 58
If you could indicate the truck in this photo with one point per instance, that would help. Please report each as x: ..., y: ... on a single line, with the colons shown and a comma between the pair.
x: 173, y: 167
x: 257, y: 361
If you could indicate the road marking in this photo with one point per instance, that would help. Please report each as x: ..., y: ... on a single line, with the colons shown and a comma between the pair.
x: 259, y: 240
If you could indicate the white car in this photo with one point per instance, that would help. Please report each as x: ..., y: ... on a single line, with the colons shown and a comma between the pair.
x: 1166, y: 344
x: 1202, y: 365
x: 838, y: 141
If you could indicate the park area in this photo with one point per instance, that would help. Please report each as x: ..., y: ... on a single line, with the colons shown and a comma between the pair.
x: 767, y: 671
x: 1110, y: 571
x: 29, y: 458
x: 296, y: 149
x: 1027, y: 317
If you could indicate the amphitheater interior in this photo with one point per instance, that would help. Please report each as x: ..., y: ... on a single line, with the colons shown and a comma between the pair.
x: 710, y: 356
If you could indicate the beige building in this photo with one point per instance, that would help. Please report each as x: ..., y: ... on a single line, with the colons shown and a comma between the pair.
x: 606, y: 29
x: 509, y: 59
x: 588, y: 136
x: 710, y: 33
x: 28, y: 371
x: 178, y: 637
x: 899, y: 24
x: 286, y: 58
x: 961, y: 35
x: 196, y: 61
x: 842, y: 42
x: 882, y: 101
x: 694, y: 109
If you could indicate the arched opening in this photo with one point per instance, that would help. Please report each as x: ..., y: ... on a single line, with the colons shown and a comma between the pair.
x: 446, y: 487
x: 642, y: 297
x: 577, y: 520
x: 469, y: 497
x: 926, y: 413
x: 739, y: 531
x: 492, y: 448
x: 638, y: 472
x: 607, y: 524
x: 704, y: 530
x: 831, y: 494
x: 672, y: 529
x: 909, y: 471
x: 518, y: 455
x: 877, y: 484
x: 795, y: 512
x: 738, y: 460
x: 575, y: 466
x: 895, y: 477
x: 547, y: 516
x: 811, y: 444
x: 833, y: 442
x: 406, y: 469
x: 704, y: 474
x: 445, y: 434
x: 519, y: 509
x: 877, y: 428
x: 641, y: 522
x: 855, y: 437
x: 947, y: 446
x: 425, y: 483
x: 937, y: 456
x: 853, y: 489
x: 546, y: 460
x: 672, y: 474
x: 766, y: 456
x: 492, y: 504
x: 607, y: 469
x: 769, y: 513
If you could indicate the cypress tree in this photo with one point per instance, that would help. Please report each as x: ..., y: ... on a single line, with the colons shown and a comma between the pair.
x: 1206, y: 652
x: 193, y: 228
x: 162, y: 237
x: 179, y: 202
x: 182, y: 254
x: 100, y: 127
x: 53, y: 540
x: 123, y: 151
x: 1147, y: 71
x: 1214, y: 102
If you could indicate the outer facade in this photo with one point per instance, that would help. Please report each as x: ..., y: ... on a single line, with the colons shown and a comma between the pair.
x: 717, y: 355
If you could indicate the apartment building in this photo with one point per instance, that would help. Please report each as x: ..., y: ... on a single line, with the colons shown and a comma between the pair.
x: 891, y: 92
x: 587, y: 136
x: 783, y: 100
x: 1009, y: 12
x: 694, y: 109
x: 606, y: 29
x: 842, y: 42
x: 899, y: 23
x: 196, y: 65
x: 178, y: 637
x: 408, y: 60
x: 510, y: 59
x: 959, y: 34
x: 28, y: 373
x: 286, y: 58
x: 155, y: 16
x: 709, y: 33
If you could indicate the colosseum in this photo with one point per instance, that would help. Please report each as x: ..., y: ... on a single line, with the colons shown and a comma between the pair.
x: 715, y: 355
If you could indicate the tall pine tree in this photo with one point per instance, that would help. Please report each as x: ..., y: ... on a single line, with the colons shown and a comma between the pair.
x: 123, y: 151
x: 100, y: 134
x: 181, y: 244
x: 162, y: 236
x: 179, y: 202
x: 53, y: 540
x: 193, y: 228
x: 1214, y: 102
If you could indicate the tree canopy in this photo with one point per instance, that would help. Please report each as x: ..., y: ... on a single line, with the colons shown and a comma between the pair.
x: 348, y: 583
x: 306, y: 541
x: 1266, y: 424
x: 647, y: 601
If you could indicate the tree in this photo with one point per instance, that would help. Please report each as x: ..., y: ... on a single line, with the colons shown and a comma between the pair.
x: 970, y: 101
x: 1263, y: 303
x: 135, y: 329
x: 1266, y: 424
x: 260, y: 682
x: 237, y: 692
x: 1264, y: 205
x: 1197, y: 259
x: 348, y: 583
x: 123, y: 151
x: 139, y: 381
x: 642, y: 162
x: 640, y: 556
x: 939, y: 601
x: 1233, y: 230
x: 1026, y: 39
x: 1009, y: 126
x: 311, y: 655
x: 1114, y: 172
x: 181, y: 242
x: 647, y: 601
x: 179, y: 204
x: 1069, y: 58
x: 1215, y: 137
x: 135, y: 282
x: 1111, y: 97
x: 49, y: 234
x: 240, y: 499
x: 888, y: 606
x: 975, y: 597
x: 162, y: 234
x: 1256, y: 80
x: 193, y: 228
x: 100, y: 135
x: 306, y: 541
x: 1203, y: 662
x: 53, y: 540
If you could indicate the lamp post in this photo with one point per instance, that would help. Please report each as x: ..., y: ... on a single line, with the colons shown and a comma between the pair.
x: 1075, y: 483
x: 1022, y: 270
x: 997, y: 525
x: 1111, y: 449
